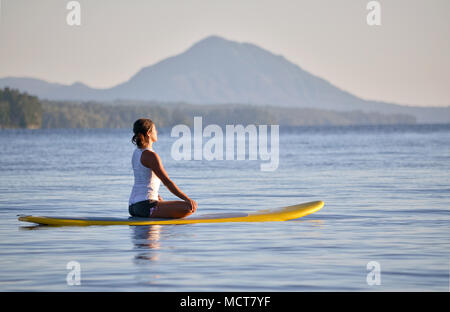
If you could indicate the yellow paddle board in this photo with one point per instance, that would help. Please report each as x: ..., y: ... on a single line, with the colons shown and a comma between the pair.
x: 277, y: 214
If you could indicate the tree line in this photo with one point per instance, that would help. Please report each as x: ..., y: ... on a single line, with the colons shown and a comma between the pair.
x: 21, y: 110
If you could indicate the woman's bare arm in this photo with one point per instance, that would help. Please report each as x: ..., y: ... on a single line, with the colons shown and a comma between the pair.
x: 151, y: 160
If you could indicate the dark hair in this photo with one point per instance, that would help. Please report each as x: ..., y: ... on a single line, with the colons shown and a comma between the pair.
x: 140, y: 129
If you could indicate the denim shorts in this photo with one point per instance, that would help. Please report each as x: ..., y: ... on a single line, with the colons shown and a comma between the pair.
x: 143, y: 209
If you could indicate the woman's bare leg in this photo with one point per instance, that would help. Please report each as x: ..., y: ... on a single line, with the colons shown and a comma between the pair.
x: 172, y: 209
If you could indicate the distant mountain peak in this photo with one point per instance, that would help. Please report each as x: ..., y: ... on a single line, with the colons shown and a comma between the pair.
x: 212, y: 39
x: 212, y: 43
x: 214, y: 70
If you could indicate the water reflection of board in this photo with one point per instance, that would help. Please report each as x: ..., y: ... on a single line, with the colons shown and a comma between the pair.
x: 277, y: 214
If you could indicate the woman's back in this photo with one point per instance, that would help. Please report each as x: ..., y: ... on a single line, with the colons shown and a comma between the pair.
x: 146, y: 183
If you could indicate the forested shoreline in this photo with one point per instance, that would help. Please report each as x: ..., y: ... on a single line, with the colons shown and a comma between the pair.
x: 21, y: 110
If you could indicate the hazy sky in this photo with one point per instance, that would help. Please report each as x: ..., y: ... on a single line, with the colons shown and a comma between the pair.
x: 405, y: 60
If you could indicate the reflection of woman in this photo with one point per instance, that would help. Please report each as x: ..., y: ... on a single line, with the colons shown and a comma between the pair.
x: 146, y: 241
x: 147, y: 236
x: 148, y: 173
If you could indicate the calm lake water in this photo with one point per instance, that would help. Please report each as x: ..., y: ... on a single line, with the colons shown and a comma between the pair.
x: 386, y: 191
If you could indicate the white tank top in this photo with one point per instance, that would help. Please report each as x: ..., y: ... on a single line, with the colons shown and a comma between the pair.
x: 146, y: 183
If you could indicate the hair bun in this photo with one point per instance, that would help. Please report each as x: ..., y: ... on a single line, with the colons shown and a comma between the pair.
x: 140, y: 129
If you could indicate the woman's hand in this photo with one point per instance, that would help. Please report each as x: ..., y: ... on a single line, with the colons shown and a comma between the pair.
x: 193, y: 204
x: 160, y: 198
